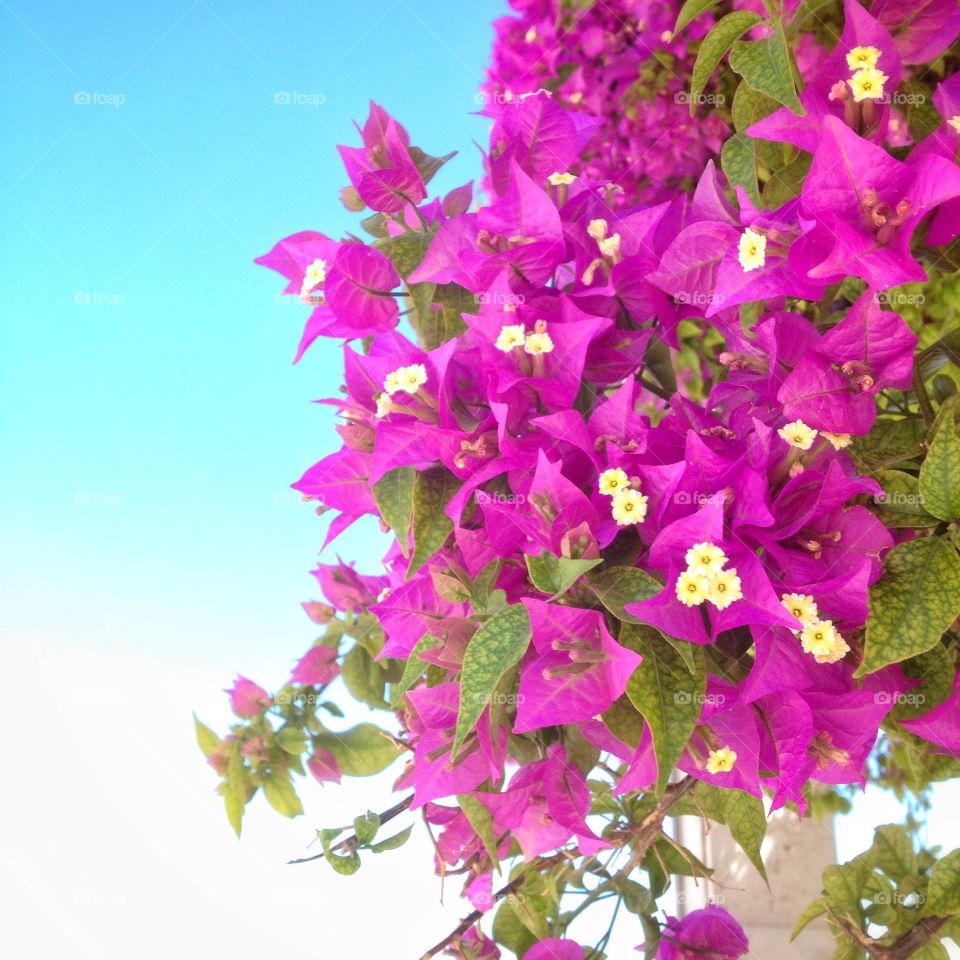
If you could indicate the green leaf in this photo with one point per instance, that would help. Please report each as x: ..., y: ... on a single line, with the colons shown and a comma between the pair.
x: 365, y: 828
x: 714, y: 46
x: 669, y: 698
x: 394, y: 842
x: 624, y: 721
x: 292, y: 740
x: 913, y: 603
x: 901, y: 504
x: 617, y: 586
x: 482, y: 822
x: 346, y: 864
x: 786, y: 181
x: 935, y: 671
x: 393, y: 494
x: 361, y: 751
x: 766, y: 66
x: 922, y: 116
x: 691, y: 10
x: 432, y: 491
x: 744, y: 816
x: 940, y: 474
x: 364, y: 678
x: 234, y: 788
x: 426, y: 165
x: 405, y: 250
x: 280, y: 794
x: 740, y: 811
x: 816, y: 909
x: 651, y: 936
x: 843, y: 885
x: 893, y: 852
x: 207, y: 740
x: 510, y: 931
x: 555, y: 575
x: 444, y: 319
x: 738, y: 161
x: 493, y: 649
x: 413, y: 668
x: 943, y: 891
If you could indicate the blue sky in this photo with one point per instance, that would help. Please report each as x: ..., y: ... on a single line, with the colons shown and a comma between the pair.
x: 151, y: 423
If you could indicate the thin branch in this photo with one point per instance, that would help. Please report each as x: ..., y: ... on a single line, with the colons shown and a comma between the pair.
x: 468, y: 921
x: 903, y: 947
x: 350, y: 842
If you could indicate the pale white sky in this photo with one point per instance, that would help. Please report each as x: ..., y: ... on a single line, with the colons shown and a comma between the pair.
x: 112, y: 843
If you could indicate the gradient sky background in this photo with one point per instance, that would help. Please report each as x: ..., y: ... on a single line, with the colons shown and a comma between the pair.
x: 151, y: 422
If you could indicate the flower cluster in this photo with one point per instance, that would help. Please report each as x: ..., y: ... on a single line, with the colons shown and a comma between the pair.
x: 569, y: 508
x: 620, y: 61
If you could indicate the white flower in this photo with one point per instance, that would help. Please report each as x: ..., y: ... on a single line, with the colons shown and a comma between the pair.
x: 612, y: 481
x: 314, y: 276
x: 798, y: 435
x: 802, y: 606
x: 406, y: 379
x: 511, y: 335
x: 705, y: 559
x: 692, y: 589
x: 537, y: 343
x: 860, y: 57
x: 629, y: 506
x: 821, y: 639
x: 752, y: 251
x: 721, y: 761
x: 558, y: 179
x: 867, y: 84
x: 837, y: 440
x: 725, y: 589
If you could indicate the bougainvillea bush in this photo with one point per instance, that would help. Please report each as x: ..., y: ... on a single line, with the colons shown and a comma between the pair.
x: 663, y: 431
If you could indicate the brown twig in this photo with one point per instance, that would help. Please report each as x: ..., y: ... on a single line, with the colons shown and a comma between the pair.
x: 903, y: 947
x: 544, y: 863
